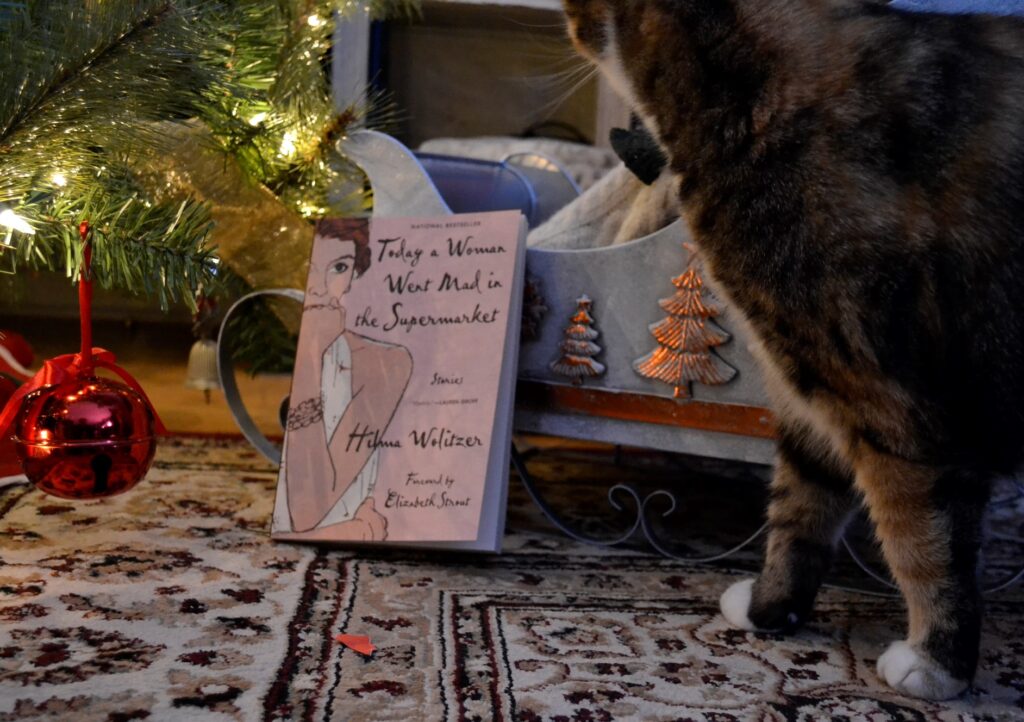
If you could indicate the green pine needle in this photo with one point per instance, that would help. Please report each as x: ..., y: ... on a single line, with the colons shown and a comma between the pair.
x: 85, y: 86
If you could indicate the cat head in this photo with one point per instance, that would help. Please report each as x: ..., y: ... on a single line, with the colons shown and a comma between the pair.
x: 588, y: 22
x: 664, y: 57
x: 606, y: 31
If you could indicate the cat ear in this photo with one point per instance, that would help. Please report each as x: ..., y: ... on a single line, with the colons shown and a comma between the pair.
x: 587, y: 21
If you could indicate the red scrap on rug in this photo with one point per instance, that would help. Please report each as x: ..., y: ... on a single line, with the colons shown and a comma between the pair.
x: 357, y: 642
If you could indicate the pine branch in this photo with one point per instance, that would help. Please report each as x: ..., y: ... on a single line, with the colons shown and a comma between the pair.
x: 86, y: 87
x: 35, y: 32
x: 65, y: 150
x: 155, y: 248
x: 284, y: 134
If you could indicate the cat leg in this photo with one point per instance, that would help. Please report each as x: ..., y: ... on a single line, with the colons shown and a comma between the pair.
x: 930, y: 524
x: 811, y: 500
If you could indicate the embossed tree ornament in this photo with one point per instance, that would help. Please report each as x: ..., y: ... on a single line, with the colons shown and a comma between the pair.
x: 576, y: 360
x: 686, y: 338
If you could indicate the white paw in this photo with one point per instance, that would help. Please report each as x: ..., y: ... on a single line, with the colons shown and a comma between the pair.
x: 909, y: 672
x: 735, y: 604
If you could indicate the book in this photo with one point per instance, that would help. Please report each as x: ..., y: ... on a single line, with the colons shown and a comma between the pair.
x: 400, y: 416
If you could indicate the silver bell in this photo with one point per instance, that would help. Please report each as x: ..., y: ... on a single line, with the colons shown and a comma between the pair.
x: 202, y: 367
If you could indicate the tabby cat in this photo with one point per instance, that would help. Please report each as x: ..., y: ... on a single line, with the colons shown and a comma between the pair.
x: 854, y: 178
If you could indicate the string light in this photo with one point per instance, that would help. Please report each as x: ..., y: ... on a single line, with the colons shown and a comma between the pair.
x: 7, y: 251
x: 315, y: 21
x: 257, y: 119
x: 59, y: 179
x: 12, y: 220
x: 288, y: 143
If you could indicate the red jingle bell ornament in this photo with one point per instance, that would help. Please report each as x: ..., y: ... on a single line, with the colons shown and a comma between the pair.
x: 9, y: 465
x: 85, y: 438
x: 78, y: 435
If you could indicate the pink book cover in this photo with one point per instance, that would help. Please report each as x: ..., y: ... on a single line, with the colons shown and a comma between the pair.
x: 399, y: 419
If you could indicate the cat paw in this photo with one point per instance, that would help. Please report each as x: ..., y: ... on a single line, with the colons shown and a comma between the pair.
x: 908, y: 671
x: 735, y: 604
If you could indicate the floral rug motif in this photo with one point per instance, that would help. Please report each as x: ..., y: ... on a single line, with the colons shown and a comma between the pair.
x: 171, y: 603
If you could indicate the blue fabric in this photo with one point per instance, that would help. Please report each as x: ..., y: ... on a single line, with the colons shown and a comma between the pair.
x: 960, y: 7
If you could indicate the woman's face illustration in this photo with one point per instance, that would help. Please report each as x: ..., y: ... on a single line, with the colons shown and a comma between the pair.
x: 330, y: 272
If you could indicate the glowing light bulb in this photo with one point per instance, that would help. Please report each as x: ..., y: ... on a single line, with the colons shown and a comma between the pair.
x: 59, y: 179
x: 288, y: 143
x: 12, y: 220
x: 315, y: 21
x: 257, y: 119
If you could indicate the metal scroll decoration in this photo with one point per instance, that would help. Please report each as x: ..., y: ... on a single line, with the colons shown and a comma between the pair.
x: 641, y: 521
x: 577, y: 351
x: 686, y: 339
x: 644, y: 504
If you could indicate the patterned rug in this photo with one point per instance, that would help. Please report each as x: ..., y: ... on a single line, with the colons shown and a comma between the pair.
x: 171, y: 603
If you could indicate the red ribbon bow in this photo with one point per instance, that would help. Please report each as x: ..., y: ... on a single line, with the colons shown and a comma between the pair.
x: 70, y: 367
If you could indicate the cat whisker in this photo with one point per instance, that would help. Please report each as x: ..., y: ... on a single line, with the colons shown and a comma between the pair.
x: 561, y: 79
x: 537, y: 26
x: 555, y: 82
x: 557, y: 101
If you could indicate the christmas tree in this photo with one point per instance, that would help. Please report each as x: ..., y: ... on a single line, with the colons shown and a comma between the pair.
x: 686, y: 339
x: 577, y: 351
x: 145, y: 117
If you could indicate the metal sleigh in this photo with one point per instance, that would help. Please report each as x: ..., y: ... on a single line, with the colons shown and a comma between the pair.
x: 624, y: 285
x: 628, y: 290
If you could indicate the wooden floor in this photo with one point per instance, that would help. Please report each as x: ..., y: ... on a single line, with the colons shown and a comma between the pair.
x: 157, y: 355
x: 188, y: 410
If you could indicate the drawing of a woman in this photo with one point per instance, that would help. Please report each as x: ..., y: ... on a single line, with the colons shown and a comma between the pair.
x: 345, y: 391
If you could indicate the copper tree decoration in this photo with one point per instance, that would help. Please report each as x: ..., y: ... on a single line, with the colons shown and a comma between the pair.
x: 686, y: 339
x: 576, y: 359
